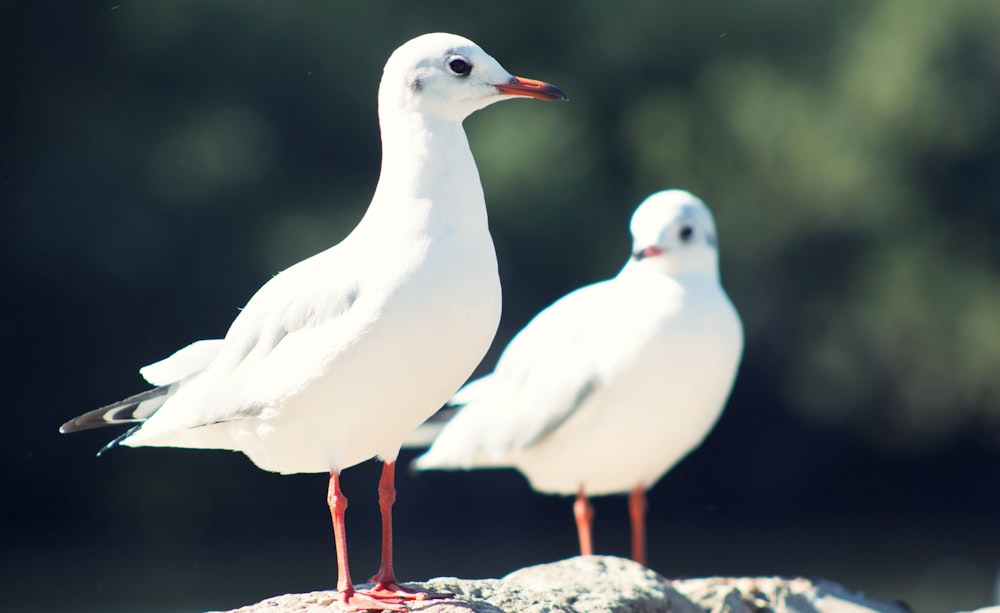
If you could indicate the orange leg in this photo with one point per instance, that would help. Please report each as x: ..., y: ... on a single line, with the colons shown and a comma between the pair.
x: 386, y: 585
x: 351, y: 599
x: 637, y: 512
x: 584, y: 512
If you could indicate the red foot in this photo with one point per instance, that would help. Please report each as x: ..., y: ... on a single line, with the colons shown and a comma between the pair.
x: 394, y: 591
x: 362, y: 600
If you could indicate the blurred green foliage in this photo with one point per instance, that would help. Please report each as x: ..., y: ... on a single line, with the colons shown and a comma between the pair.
x: 160, y: 159
x: 849, y: 151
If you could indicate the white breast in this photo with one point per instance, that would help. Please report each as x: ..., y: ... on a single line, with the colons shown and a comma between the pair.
x: 656, y: 400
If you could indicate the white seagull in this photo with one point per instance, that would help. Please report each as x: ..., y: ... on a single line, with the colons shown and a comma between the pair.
x: 609, y: 387
x: 338, y: 358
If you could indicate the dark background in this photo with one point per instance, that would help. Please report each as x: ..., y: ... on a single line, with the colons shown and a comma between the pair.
x: 162, y: 159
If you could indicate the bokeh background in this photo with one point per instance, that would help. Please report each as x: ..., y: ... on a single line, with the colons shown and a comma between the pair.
x: 162, y: 159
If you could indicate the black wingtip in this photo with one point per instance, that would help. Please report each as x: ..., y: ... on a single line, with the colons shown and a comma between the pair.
x: 133, y: 409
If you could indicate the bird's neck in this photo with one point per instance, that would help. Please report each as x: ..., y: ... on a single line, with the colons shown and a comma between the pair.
x: 428, y: 171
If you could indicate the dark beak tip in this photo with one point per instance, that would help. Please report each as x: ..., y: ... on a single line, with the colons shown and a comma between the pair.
x: 554, y: 93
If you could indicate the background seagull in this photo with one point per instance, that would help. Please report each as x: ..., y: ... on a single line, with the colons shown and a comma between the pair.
x: 338, y: 358
x: 610, y: 386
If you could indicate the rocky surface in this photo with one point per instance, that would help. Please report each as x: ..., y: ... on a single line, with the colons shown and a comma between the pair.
x: 606, y: 584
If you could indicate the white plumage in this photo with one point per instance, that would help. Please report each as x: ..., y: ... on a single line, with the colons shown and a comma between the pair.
x: 336, y: 359
x: 609, y: 387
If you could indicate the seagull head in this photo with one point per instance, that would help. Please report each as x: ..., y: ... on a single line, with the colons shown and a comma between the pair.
x: 451, y: 77
x: 673, y: 233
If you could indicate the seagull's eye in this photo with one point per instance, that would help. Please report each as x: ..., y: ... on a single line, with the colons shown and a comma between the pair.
x: 459, y: 66
x: 685, y: 233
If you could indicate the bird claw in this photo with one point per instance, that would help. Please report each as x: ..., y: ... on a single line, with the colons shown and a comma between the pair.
x: 363, y: 600
x: 392, y: 590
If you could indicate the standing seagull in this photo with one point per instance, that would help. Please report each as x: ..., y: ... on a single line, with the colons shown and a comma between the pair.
x: 609, y: 387
x: 338, y: 358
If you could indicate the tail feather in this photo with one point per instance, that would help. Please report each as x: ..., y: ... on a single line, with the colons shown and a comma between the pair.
x: 132, y: 410
x: 426, y: 432
x: 118, y: 439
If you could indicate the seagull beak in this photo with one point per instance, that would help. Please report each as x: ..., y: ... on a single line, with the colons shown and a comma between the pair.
x: 519, y: 86
x: 647, y: 253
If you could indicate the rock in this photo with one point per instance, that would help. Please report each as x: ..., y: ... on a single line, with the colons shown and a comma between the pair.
x: 755, y: 594
x: 603, y: 584
x: 579, y: 585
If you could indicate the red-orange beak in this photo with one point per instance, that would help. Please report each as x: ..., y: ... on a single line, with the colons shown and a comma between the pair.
x: 648, y: 252
x: 519, y: 86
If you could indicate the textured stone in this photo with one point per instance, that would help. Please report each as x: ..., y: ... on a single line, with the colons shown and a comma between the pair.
x: 755, y: 594
x: 605, y: 584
